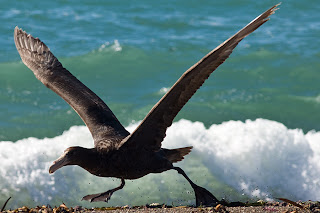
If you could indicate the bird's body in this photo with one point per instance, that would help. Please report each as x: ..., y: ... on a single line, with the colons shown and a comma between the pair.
x: 126, y: 164
x: 116, y: 152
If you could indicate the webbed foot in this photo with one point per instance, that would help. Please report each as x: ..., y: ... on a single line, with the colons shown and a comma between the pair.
x: 204, y: 197
x: 105, y: 196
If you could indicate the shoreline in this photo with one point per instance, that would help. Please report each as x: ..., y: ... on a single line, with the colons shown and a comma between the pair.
x: 257, y: 207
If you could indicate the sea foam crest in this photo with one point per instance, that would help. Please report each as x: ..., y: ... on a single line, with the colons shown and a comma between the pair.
x: 24, y: 167
x: 260, y: 158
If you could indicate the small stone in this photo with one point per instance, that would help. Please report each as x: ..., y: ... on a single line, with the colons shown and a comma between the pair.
x: 219, y: 207
x: 63, y: 206
x: 23, y: 209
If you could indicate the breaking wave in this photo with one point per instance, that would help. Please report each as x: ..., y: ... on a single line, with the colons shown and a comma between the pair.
x: 259, y: 159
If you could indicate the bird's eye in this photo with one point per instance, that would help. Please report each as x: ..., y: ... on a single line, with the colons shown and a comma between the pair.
x: 70, y: 153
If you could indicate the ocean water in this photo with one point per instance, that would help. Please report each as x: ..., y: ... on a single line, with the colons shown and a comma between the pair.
x: 254, y: 124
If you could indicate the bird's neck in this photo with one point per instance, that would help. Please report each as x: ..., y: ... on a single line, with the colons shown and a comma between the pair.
x: 90, y: 160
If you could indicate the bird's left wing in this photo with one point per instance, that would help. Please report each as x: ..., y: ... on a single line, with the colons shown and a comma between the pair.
x: 150, y: 133
x: 102, y: 123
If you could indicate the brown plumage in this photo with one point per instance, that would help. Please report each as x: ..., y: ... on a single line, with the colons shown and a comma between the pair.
x: 116, y: 152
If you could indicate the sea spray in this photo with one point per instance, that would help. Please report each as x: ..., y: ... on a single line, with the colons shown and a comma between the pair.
x: 24, y: 176
x: 25, y: 164
x: 261, y: 159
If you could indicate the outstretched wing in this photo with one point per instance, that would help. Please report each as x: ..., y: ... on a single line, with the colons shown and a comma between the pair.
x: 102, y: 123
x: 150, y: 133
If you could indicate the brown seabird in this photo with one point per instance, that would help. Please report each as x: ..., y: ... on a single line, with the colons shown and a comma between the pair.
x: 116, y: 152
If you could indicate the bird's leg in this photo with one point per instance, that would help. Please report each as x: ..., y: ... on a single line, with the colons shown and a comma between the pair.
x: 104, y: 196
x: 203, y: 196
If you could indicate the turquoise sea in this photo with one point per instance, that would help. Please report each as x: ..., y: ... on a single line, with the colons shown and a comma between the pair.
x: 254, y: 124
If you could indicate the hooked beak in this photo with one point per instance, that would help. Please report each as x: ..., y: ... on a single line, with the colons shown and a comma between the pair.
x: 63, y: 160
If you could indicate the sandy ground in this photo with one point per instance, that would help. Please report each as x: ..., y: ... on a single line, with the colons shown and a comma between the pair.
x: 212, y: 209
x: 283, y: 207
x: 177, y: 210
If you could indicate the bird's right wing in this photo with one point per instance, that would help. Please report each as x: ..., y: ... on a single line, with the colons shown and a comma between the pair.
x: 102, y: 123
x: 150, y: 133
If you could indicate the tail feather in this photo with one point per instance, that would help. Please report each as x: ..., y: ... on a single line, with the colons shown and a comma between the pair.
x: 175, y: 155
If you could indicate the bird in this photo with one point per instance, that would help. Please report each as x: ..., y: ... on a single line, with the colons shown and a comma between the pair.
x: 116, y: 152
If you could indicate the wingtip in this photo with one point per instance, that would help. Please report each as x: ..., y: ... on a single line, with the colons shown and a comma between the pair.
x: 264, y: 17
x: 25, y: 40
x: 17, y: 31
x: 275, y: 7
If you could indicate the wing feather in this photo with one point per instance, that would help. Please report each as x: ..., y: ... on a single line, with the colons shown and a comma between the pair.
x: 151, y: 132
x: 102, y: 123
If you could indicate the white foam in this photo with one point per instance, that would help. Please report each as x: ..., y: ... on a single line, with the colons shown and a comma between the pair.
x: 107, y: 46
x: 260, y: 158
x: 163, y: 90
x: 25, y: 164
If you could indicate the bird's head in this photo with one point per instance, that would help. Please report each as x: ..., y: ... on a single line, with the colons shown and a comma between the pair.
x: 71, y: 156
